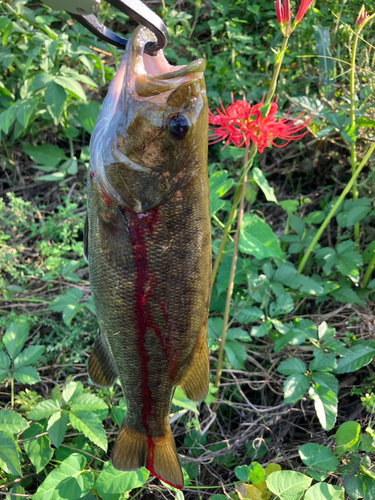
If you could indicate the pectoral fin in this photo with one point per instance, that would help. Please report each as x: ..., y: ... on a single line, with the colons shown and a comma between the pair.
x: 102, y: 370
x: 195, y: 381
x: 86, y: 240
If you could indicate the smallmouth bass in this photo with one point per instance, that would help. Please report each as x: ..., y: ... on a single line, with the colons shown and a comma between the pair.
x: 147, y: 241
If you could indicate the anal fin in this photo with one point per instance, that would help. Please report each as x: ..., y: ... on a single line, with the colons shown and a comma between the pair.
x: 102, y: 370
x: 195, y: 381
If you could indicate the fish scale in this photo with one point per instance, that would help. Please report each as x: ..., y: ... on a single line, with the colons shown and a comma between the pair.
x: 147, y: 241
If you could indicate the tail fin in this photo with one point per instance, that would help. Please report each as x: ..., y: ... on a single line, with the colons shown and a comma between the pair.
x: 134, y: 449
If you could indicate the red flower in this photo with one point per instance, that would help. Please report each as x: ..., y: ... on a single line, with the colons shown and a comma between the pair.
x: 361, y: 18
x: 242, y: 124
x: 283, y: 16
x: 305, y: 4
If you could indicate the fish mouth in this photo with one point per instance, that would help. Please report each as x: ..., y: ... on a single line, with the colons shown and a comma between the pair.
x: 153, y: 75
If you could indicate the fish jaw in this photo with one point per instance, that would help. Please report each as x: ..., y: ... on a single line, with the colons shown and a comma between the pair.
x: 136, y: 161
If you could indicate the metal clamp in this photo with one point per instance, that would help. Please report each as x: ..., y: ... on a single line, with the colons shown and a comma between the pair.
x: 84, y: 12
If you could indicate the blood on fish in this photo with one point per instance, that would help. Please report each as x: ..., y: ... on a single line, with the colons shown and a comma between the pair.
x: 107, y: 200
x: 92, y: 174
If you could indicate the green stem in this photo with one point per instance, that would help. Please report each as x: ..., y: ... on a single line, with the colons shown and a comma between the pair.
x: 286, y: 231
x: 12, y: 392
x: 368, y: 272
x: 334, y: 208
x: 276, y: 71
x: 231, y: 276
x: 353, y: 156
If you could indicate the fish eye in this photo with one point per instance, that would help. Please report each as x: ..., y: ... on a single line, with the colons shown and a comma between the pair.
x: 178, y: 126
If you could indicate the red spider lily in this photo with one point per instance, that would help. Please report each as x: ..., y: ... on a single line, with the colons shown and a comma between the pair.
x: 283, y: 16
x: 305, y: 4
x: 242, y: 124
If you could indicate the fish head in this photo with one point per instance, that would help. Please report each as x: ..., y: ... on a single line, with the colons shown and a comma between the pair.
x: 150, y: 138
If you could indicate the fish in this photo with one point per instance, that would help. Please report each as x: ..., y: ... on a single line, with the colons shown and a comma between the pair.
x: 147, y: 240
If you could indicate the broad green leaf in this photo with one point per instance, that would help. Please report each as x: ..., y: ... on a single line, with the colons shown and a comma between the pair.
x: 180, y: 400
x: 324, y: 491
x: 112, y: 481
x: 40, y: 81
x: 238, y: 334
x: 291, y: 366
x: 289, y: 206
x: 236, y: 354
x: 72, y: 390
x: 242, y: 473
x: 71, y: 85
x: 44, y: 409
x: 87, y: 115
x: 37, y: 449
x: 12, y: 422
x: 283, y: 305
x: 256, y: 473
x: 325, y: 331
x: 262, y: 182
x: 4, y: 365
x: 257, y: 238
x: 368, y: 252
x: 356, y: 214
x: 326, y: 380
x: 295, y: 386
x: 68, y: 481
x: 347, y: 437
x: 15, y: 336
x: 325, y: 402
x: 7, y: 118
x: 356, y: 357
x: 345, y: 294
x: 68, y: 304
x: 261, y: 330
x: 323, y: 362
x: 28, y: 356
x: 55, y: 98
x: 17, y: 490
x: 249, y: 315
x: 319, y: 459
x: 26, y: 375
x: 90, y: 402
x: 118, y: 412
x: 9, y: 460
x: 25, y: 109
x: 365, y: 122
x: 297, y: 224
x: 288, y: 485
x: 47, y: 155
x: 57, y: 425
x: 89, y: 423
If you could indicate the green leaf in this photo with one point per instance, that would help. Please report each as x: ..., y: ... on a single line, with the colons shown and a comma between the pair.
x: 236, y: 354
x: 326, y: 380
x: 288, y: 485
x: 112, y: 481
x: 319, y: 459
x: 44, y: 409
x: 15, y: 336
x: 87, y: 115
x: 68, y: 304
x: 256, y: 473
x: 55, y: 98
x: 257, y: 238
x: 71, y: 390
x: 355, y: 358
x: 219, y: 186
x: 180, y: 400
x: 261, y: 330
x: 365, y: 122
x: 347, y: 437
x: 57, y: 425
x: 9, y: 460
x: 89, y: 402
x: 295, y: 386
x: 238, y: 334
x: 89, y: 423
x: 29, y: 356
x: 71, y: 85
x: 323, y: 362
x: 12, y: 422
x: 291, y: 366
x: 55, y: 177
x: 118, y: 412
x: 40, y: 81
x: 47, y: 155
x: 38, y: 449
x: 324, y: 491
x: 17, y: 490
x: 325, y: 402
x: 356, y: 214
x: 345, y: 294
x: 67, y: 481
x: 249, y: 315
x: 289, y: 206
x: 25, y: 109
x: 283, y: 305
x: 4, y: 365
x: 26, y: 375
x: 7, y: 118
x: 242, y: 473
x: 262, y: 182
